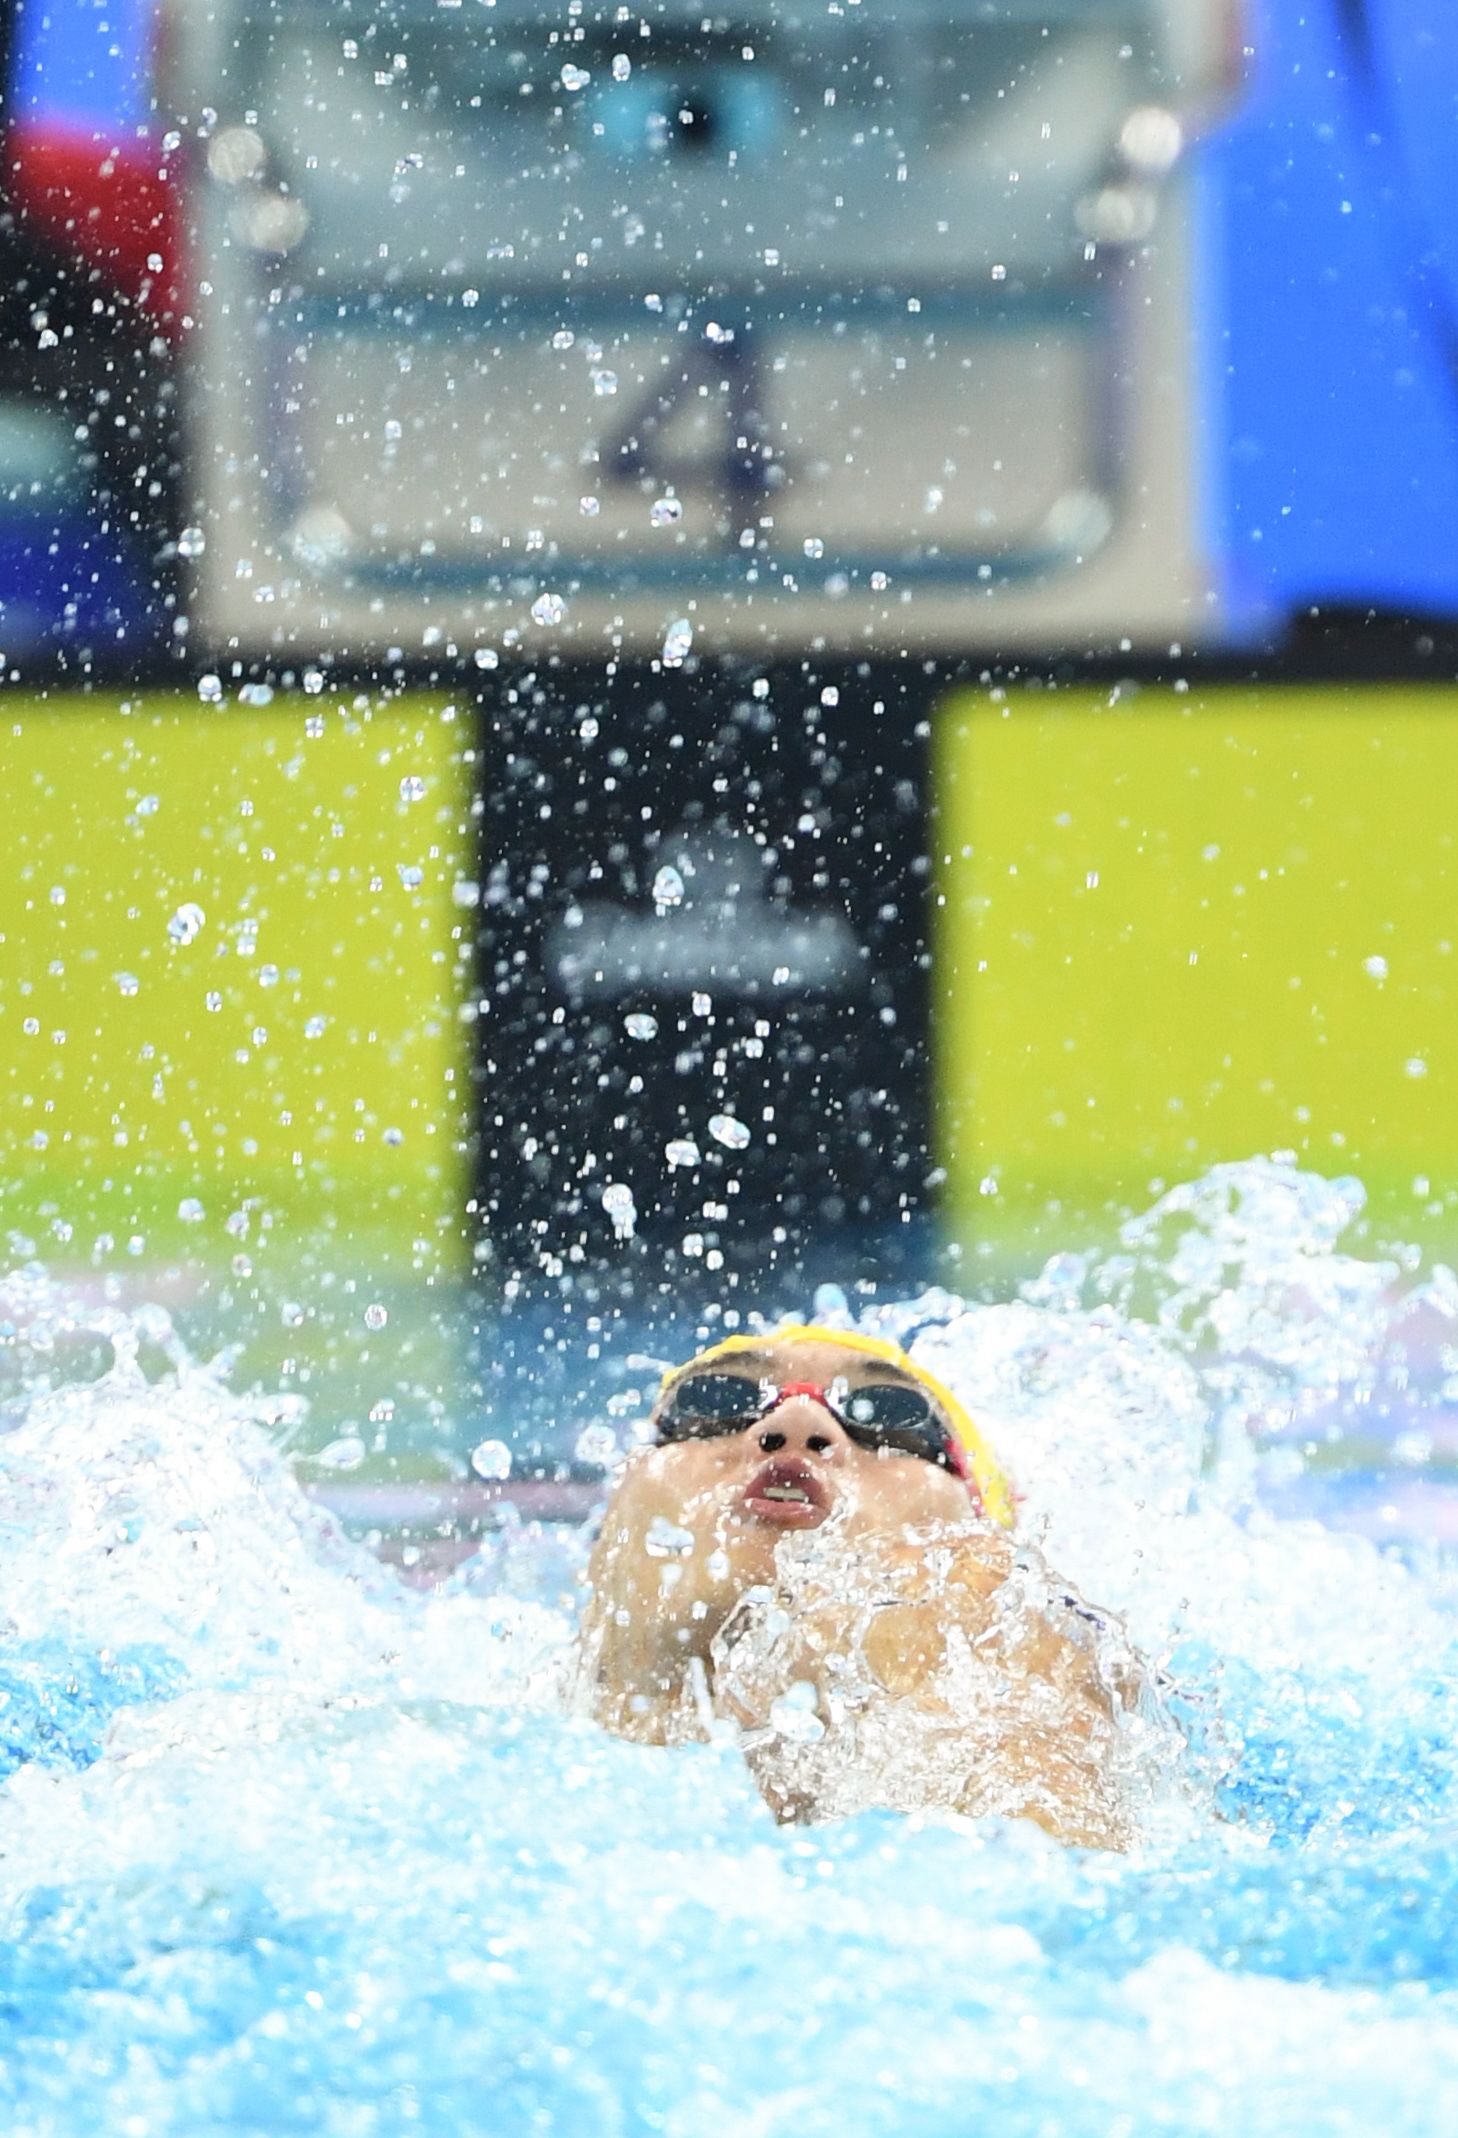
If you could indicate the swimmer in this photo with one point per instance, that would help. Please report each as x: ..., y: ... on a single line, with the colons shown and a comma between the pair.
x: 816, y: 1553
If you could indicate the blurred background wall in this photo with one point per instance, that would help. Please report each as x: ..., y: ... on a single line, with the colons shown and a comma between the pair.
x: 1103, y: 851
x: 1320, y: 304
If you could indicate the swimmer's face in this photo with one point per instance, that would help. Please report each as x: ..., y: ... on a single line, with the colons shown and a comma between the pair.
x: 792, y: 1468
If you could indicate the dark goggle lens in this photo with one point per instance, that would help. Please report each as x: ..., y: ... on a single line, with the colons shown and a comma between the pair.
x: 710, y: 1403
x: 899, y: 1418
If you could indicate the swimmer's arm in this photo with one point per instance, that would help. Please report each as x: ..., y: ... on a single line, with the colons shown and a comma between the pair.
x: 882, y: 1602
x: 1057, y: 1751
x: 1042, y: 1641
x: 648, y: 1614
x: 1055, y: 1759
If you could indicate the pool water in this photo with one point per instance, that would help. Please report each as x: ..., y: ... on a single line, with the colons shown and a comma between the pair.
x: 287, y: 1847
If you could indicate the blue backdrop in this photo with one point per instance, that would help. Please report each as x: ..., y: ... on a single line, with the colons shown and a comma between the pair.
x: 1329, y: 218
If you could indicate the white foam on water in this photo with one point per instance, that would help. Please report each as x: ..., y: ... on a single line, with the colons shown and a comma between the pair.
x: 163, y: 1514
x: 1132, y: 1442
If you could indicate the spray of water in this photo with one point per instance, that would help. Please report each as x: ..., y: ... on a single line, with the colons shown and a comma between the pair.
x: 286, y: 1848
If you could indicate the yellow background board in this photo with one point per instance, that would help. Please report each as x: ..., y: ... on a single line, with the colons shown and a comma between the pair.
x: 304, y: 1047
x: 1174, y: 929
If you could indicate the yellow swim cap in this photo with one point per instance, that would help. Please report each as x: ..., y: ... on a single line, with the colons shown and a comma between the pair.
x: 987, y: 1479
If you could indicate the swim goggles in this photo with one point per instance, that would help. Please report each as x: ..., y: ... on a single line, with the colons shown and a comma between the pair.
x: 901, y: 1420
x: 987, y: 1481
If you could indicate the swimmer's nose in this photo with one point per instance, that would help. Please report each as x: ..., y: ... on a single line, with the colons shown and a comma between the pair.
x: 801, y: 1426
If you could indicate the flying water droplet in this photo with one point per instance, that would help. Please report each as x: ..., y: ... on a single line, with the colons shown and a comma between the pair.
x: 127, y: 982
x: 491, y: 1459
x: 639, y: 1025
x: 666, y: 1540
x: 589, y: 507
x: 394, y: 1137
x: 682, y: 1151
x: 410, y: 874
x: 213, y: 1000
x: 665, y: 512
x: 617, y: 1200
x: 733, y: 1134
x: 575, y: 77
x: 190, y: 1210
x: 604, y: 383
x: 597, y: 1444
x: 187, y: 924
x: 382, y: 1412
x: 412, y: 788
x: 268, y: 976
x: 563, y: 338
x: 346, y: 1453
x: 375, y: 1316
x: 210, y: 689
x: 814, y: 547
x: 191, y: 542
x: 149, y: 805
x: 677, y: 640
x: 314, y: 1027
x: 622, y: 66
x: 548, y: 609
x: 794, y: 1717
x: 668, y: 886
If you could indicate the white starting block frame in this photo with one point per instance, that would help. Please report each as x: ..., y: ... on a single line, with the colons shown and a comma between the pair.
x: 647, y: 331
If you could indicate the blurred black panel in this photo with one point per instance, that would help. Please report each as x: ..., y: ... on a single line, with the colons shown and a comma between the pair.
x: 703, y: 968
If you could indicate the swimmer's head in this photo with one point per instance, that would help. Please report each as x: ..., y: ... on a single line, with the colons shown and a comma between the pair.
x: 816, y: 1402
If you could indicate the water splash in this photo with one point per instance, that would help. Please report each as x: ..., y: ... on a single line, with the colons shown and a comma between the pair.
x: 342, y: 1865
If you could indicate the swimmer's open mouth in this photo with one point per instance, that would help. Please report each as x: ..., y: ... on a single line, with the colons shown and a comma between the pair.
x: 788, y: 1492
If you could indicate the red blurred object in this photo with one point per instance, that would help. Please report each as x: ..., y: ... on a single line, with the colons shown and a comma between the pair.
x: 117, y: 206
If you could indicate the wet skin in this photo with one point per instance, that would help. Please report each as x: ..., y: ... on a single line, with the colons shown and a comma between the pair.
x: 656, y: 1604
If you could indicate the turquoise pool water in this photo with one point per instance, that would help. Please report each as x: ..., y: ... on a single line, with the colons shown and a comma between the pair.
x: 286, y: 1848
